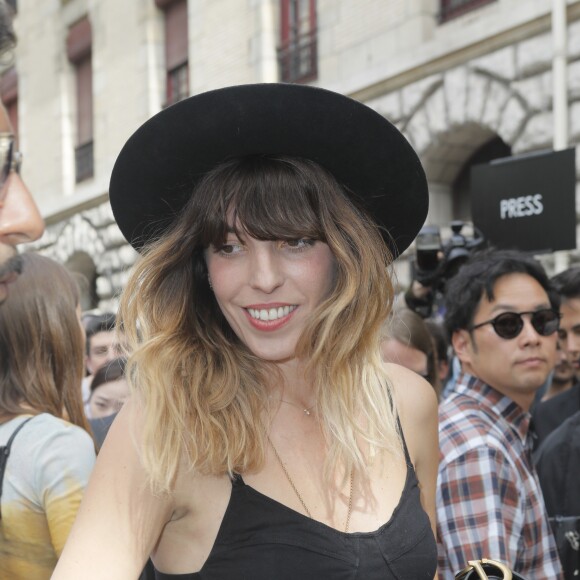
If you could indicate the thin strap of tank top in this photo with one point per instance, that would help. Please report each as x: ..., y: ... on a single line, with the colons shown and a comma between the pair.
x: 400, y: 429
x: 407, y: 455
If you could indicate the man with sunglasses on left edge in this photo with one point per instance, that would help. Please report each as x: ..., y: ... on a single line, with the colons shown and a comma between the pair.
x: 502, y: 316
x: 20, y: 220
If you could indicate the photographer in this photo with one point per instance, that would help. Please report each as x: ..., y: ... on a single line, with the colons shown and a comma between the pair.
x: 436, y: 264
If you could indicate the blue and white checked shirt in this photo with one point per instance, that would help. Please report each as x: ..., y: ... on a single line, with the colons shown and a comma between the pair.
x: 489, y: 502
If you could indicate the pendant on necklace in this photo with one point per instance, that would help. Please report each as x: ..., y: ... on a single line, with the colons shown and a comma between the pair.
x: 307, y: 412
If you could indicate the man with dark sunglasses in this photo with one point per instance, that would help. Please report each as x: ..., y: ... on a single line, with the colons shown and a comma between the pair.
x: 20, y: 220
x: 502, y: 316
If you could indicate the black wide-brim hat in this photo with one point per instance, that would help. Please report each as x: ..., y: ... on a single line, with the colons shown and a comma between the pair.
x: 163, y: 160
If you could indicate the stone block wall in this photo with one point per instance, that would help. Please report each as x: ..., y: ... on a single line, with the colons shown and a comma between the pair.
x: 449, y: 87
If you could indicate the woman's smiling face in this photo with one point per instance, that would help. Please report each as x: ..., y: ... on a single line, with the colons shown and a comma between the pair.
x: 269, y: 289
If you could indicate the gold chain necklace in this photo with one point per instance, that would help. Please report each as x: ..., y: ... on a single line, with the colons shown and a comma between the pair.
x: 307, y: 410
x: 298, y: 493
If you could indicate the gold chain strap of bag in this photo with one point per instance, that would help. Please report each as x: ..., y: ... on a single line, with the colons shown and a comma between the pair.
x: 485, y: 569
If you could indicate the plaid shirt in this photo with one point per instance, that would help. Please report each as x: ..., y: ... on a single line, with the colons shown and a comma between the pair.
x: 489, y: 502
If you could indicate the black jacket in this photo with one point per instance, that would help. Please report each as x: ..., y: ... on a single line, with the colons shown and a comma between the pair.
x: 550, y: 414
x: 558, y: 467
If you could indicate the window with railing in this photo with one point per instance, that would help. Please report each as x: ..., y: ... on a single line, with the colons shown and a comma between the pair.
x: 176, y: 50
x: 449, y: 9
x: 298, y: 50
x: 79, y: 52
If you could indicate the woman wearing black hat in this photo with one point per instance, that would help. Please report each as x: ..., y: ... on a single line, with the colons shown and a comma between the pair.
x: 265, y: 438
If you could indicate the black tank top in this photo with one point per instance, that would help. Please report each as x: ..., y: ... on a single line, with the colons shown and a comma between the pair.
x: 262, y: 539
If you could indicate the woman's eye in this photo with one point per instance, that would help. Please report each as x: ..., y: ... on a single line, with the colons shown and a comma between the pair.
x: 230, y: 249
x: 301, y: 244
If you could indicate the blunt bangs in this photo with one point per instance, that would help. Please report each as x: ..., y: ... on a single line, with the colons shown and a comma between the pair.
x: 265, y: 197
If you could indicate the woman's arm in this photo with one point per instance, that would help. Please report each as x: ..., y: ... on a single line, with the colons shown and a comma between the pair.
x: 120, y: 520
x: 417, y: 405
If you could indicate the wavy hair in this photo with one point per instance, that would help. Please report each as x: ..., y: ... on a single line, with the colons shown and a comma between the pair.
x: 203, y: 392
x: 42, y: 343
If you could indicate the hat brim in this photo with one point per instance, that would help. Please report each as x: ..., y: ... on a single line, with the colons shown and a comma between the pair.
x: 162, y: 161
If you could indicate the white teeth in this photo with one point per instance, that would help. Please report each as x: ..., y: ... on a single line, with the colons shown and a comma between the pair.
x: 271, y: 313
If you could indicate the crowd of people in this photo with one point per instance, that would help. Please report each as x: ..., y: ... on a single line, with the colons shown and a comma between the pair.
x: 508, y: 419
x: 261, y: 406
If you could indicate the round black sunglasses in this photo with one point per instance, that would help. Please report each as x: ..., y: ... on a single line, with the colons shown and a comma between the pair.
x: 509, y: 324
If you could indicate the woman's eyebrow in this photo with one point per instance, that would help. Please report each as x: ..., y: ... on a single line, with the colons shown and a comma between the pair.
x: 236, y: 232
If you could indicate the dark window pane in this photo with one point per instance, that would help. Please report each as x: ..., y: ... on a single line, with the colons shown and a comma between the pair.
x: 84, y: 80
x: 84, y: 161
x: 177, y: 84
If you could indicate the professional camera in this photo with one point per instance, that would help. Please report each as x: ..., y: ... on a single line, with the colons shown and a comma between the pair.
x: 437, y: 262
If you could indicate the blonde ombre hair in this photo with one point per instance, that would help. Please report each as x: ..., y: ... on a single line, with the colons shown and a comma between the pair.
x: 203, y: 392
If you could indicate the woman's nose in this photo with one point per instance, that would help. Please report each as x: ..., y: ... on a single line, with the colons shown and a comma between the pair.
x: 266, y: 270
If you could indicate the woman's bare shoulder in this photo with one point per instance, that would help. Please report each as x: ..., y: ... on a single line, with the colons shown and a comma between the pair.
x: 415, y: 398
x: 417, y: 407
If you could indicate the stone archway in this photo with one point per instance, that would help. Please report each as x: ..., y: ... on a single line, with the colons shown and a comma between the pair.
x: 448, y: 116
x: 444, y: 161
x: 456, y: 115
x: 460, y: 100
x: 494, y: 148
x: 92, y: 232
x: 77, y: 244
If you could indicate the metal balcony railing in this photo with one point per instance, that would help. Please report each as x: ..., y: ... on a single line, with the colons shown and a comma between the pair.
x: 449, y: 9
x: 298, y: 58
x: 84, y: 165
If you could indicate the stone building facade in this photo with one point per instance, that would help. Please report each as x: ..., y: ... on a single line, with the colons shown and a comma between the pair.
x: 456, y: 76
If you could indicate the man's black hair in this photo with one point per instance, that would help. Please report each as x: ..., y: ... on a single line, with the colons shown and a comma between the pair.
x: 100, y: 323
x: 567, y: 283
x: 478, y: 277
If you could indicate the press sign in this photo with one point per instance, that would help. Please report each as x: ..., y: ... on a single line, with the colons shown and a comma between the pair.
x: 527, y: 202
x: 523, y: 206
